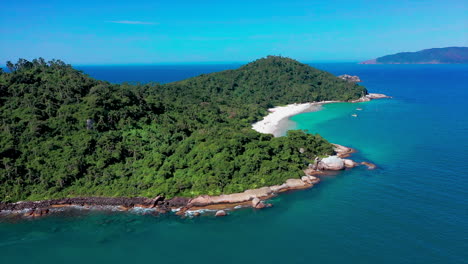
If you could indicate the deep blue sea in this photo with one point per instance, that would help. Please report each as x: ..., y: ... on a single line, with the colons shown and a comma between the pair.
x: 412, y: 209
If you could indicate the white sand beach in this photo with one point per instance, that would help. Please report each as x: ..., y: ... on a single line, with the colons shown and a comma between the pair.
x: 273, y: 123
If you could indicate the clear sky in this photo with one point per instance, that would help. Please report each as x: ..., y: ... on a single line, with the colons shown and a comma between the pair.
x: 161, y: 31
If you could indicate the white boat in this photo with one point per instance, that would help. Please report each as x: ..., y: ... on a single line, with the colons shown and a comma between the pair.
x: 359, y: 109
x: 354, y: 115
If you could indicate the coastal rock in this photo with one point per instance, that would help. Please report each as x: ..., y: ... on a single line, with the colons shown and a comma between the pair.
x: 331, y: 163
x: 305, y: 179
x: 255, y: 202
x: 369, y: 97
x: 39, y: 212
x: 260, y: 205
x: 196, y: 214
x: 278, y: 188
x: 342, y: 151
x: 310, y: 179
x: 350, y: 163
x: 295, y: 183
x: 349, y: 78
x: 178, y: 202
x: 231, y: 198
x: 220, y: 213
x: 369, y: 165
x: 377, y: 96
x: 310, y: 171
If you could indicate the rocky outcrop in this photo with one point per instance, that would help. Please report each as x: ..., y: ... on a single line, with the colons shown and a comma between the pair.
x: 331, y: 163
x: 377, y: 96
x: 369, y: 97
x: 254, y: 195
x: 342, y: 151
x: 310, y: 179
x: 257, y: 203
x: 350, y: 163
x: 349, y: 78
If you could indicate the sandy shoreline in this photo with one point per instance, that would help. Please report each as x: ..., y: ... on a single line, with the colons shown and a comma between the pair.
x: 273, y: 123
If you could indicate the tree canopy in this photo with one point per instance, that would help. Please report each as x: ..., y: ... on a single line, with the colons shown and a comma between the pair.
x: 65, y: 134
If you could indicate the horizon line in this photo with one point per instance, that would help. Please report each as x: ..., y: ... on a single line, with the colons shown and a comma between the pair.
x: 2, y: 65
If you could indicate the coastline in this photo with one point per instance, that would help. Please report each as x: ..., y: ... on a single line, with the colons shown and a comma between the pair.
x: 184, y: 206
x: 272, y: 123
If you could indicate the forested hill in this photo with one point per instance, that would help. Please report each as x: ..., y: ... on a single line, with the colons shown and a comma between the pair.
x: 64, y: 134
x: 427, y: 56
x: 273, y: 81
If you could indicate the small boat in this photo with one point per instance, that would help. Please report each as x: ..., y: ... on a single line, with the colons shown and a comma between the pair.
x: 354, y: 115
x: 359, y: 109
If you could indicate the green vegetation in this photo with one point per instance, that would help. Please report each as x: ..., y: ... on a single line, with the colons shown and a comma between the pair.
x: 64, y: 134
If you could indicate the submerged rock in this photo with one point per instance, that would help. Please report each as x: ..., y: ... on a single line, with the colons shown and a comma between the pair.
x: 38, y: 212
x: 369, y: 165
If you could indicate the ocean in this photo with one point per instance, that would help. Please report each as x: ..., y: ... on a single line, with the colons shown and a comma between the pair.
x: 412, y: 209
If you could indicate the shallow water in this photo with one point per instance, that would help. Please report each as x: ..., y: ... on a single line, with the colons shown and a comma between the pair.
x: 412, y: 209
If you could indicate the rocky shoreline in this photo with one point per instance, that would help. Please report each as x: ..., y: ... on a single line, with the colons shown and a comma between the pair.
x: 189, y: 206
x: 194, y: 206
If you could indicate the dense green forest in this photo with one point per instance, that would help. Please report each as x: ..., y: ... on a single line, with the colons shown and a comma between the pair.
x: 65, y: 134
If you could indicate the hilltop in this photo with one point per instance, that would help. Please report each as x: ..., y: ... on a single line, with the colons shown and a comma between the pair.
x: 427, y: 56
x: 65, y: 134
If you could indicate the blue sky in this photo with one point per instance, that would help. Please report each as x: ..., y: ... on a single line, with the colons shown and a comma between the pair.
x: 120, y: 32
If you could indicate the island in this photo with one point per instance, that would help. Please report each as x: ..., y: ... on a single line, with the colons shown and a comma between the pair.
x: 449, y: 55
x: 67, y: 139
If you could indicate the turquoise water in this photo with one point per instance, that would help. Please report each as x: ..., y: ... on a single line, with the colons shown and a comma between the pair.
x: 412, y: 209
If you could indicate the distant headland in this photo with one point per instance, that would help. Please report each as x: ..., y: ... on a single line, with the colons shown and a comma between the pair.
x: 449, y: 55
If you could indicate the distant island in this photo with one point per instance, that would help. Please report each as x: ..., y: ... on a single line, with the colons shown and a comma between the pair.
x: 450, y: 55
x: 68, y: 139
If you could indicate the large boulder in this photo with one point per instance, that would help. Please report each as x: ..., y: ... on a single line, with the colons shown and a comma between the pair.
x: 255, y: 202
x: 350, y: 163
x: 331, y: 163
x: 220, y: 213
x: 260, y: 205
